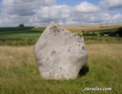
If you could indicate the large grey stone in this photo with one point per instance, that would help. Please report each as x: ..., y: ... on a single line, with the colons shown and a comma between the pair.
x: 59, y: 53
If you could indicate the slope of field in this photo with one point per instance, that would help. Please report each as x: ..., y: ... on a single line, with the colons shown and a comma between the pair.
x: 19, y: 73
x: 93, y: 28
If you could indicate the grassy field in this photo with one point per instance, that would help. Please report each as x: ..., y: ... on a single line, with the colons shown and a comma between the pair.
x: 19, y: 73
x: 35, y: 32
x: 17, y: 33
x: 16, y: 36
x: 32, y: 41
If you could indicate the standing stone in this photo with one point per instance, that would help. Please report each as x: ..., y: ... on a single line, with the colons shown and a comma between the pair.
x: 59, y: 53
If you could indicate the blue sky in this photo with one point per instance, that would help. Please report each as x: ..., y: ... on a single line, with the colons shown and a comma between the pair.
x: 64, y: 12
x: 75, y: 2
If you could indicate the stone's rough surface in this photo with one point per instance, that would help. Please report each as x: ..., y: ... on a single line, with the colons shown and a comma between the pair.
x: 59, y: 53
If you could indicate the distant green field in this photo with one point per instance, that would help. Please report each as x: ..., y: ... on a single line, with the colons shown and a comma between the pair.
x: 34, y: 32
x: 17, y: 36
x: 17, y: 33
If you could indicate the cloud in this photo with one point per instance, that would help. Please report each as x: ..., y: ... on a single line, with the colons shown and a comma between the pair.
x: 24, y: 7
x: 87, y: 7
x: 55, y: 13
x: 117, y: 18
x: 42, y: 12
x: 66, y: 15
x: 14, y: 12
x: 111, y: 4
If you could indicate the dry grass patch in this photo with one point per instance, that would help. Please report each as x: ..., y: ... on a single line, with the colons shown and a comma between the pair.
x: 79, y: 28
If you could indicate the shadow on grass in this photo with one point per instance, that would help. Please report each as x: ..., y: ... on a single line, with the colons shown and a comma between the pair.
x: 84, y: 70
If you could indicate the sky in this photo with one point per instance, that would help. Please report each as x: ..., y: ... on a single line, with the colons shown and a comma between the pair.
x: 63, y: 12
x: 75, y: 2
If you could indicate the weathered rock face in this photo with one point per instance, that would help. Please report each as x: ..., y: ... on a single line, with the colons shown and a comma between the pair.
x: 59, y: 53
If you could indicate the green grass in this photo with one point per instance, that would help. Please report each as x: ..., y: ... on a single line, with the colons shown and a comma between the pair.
x: 31, y: 40
x: 18, y: 42
x: 19, y: 73
x: 102, y: 40
x: 15, y: 36
x: 16, y: 32
x: 21, y: 35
